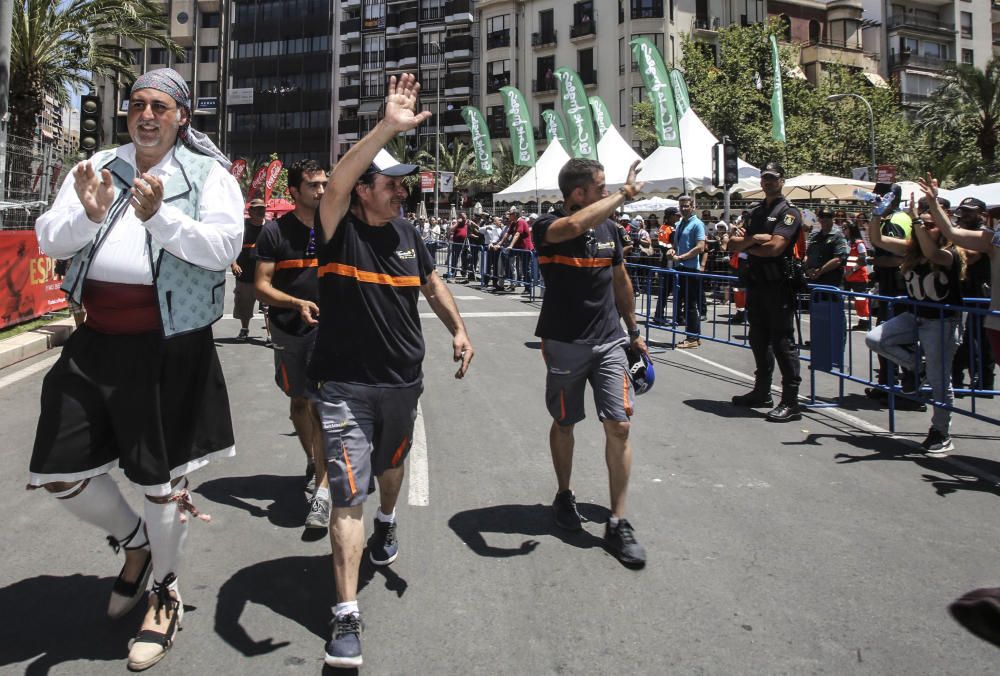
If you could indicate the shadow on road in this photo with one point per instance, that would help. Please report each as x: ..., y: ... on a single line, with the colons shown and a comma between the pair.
x: 723, y: 409
x: 531, y: 520
x: 61, y: 619
x: 287, y: 506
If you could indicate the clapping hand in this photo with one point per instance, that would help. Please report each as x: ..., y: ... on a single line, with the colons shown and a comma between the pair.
x: 147, y: 196
x: 96, y: 191
x: 401, y: 104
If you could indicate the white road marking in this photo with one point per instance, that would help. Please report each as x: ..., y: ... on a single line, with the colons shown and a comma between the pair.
x: 27, y: 372
x: 419, y: 491
x: 471, y: 315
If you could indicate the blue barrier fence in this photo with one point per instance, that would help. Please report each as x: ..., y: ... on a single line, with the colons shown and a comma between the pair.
x: 824, y: 318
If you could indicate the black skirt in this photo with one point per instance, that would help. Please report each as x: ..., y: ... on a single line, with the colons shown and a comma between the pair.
x: 156, y: 407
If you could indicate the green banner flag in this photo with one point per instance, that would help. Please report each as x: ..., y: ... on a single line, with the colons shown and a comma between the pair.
x: 681, y: 97
x: 602, y: 118
x: 522, y: 134
x: 777, y: 97
x: 576, y: 107
x: 654, y: 76
x: 555, y: 128
x: 482, y: 147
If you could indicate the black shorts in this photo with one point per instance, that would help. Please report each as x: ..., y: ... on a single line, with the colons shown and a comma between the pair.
x: 156, y: 407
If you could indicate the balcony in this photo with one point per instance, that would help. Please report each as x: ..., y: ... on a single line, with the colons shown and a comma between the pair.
x: 348, y: 129
x: 457, y: 12
x: 452, y: 121
x: 495, y: 81
x: 543, y: 85
x: 498, y: 39
x: 350, y: 62
x: 458, y: 47
x: 588, y: 78
x: 897, y: 21
x: 458, y: 84
x: 838, y: 51
x: 544, y: 39
x: 402, y: 22
x: 908, y: 60
x: 401, y: 56
x: 348, y: 4
x: 349, y: 95
x: 498, y: 129
x: 350, y: 30
x: 705, y: 24
x: 908, y: 99
x: 646, y: 10
x: 584, y: 29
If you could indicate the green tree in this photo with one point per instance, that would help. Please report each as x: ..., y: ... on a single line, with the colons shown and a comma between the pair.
x: 460, y: 159
x: 57, y: 46
x: 505, y: 172
x: 966, y: 108
x: 644, y: 127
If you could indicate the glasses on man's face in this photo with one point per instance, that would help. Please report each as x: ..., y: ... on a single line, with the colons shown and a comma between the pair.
x: 311, y: 246
x: 157, y: 107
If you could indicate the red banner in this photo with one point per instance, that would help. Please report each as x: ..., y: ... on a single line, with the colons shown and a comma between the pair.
x: 238, y: 168
x: 29, y: 286
x: 273, y: 171
x: 257, y: 183
x: 886, y: 173
x: 426, y: 181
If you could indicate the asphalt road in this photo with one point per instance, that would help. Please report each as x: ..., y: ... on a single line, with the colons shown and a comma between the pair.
x: 825, y: 546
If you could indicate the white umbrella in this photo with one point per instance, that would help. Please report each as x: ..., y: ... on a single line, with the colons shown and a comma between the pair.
x: 987, y: 192
x: 656, y: 204
x: 811, y: 186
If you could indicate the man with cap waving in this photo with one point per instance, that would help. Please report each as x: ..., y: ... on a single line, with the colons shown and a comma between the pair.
x: 151, y: 227
x: 768, y: 239
x: 370, y: 348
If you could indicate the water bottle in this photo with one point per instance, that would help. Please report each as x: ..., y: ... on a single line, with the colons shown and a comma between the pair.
x: 884, y: 204
x: 865, y: 195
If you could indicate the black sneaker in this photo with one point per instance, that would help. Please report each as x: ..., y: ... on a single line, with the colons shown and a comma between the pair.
x: 344, y: 649
x: 753, y: 399
x: 564, y: 508
x: 383, y: 547
x: 243, y: 336
x: 937, y: 445
x: 784, y: 413
x: 622, y: 544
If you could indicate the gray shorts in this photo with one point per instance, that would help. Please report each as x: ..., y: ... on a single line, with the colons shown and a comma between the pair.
x: 243, y: 300
x: 366, y: 430
x: 570, y: 365
x: 291, y: 357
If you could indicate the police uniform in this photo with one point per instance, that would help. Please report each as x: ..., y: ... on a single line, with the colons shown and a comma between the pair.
x: 771, y: 300
x: 822, y: 247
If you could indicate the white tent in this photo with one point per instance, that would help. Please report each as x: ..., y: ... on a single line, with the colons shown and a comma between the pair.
x: 617, y: 156
x: 652, y: 204
x: 541, y: 181
x: 664, y: 173
x: 987, y: 192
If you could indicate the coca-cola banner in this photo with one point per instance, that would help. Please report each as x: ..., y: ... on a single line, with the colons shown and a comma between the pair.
x: 273, y: 171
x: 238, y: 168
x: 257, y: 183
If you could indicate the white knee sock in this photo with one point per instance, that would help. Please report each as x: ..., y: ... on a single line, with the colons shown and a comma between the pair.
x: 166, y: 537
x: 102, y: 504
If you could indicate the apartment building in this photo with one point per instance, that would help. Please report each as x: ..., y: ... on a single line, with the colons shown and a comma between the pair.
x: 435, y: 39
x: 919, y: 40
x: 196, y: 25
x: 523, y: 42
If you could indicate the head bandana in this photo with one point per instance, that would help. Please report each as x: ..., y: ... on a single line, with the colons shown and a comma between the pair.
x: 170, y: 82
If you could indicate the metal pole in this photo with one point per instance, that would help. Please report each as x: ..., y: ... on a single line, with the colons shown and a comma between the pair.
x: 871, y: 126
x: 437, y: 134
x: 6, y: 26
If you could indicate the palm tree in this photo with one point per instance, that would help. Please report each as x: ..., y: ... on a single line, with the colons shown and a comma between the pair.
x: 56, y: 46
x: 505, y: 172
x: 969, y: 100
x: 460, y: 160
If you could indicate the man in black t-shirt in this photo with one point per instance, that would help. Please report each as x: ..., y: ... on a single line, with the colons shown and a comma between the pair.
x: 587, y: 294
x: 244, y: 267
x: 370, y: 349
x: 768, y: 240
x: 286, y: 281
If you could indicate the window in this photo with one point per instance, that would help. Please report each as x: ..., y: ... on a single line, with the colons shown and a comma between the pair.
x: 647, y: 9
x: 431, y: 10
x: 815, y: 31
x: 136, y: 56
x: 186, y: 55
x: 498, y: 31
x: 208, y: 55
x: 638, y: 95
x: 546, y: 22
x: 497, y: 75
x: 966, y: 24
x: 546, y: 68
x: 583, y: 12
x: 624, y: 104
x: 373, y: 52
x: 655, y: 38
x: 585, y: 66
x: 428, y: 50
x: 967, y: 56
x: 498, y: 23
x: 157, y: 55
x: 372, y: 84
x: 496, y: 121
x: 211, y: 19
x: 374, y: 14
x: 208, y: 88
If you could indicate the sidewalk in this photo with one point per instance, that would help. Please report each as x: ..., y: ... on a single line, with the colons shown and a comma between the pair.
x: 26, y: 345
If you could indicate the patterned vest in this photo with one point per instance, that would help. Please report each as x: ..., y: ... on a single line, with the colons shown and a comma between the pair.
x: 189, y: 297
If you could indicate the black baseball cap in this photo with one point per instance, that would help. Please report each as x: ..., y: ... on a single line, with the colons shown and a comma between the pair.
x: 774, y: 169
x: 825, y: 211
x: 972, y: 204
x: 671, y: 211
x: 386, y: 164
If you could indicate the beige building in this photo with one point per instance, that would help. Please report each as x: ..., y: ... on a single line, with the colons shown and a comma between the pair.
x: 196, y: 26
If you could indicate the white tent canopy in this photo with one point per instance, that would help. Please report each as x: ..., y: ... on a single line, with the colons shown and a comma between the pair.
x: 542, y: 180
x: 617, y: 156
x: 652, y: 204
x: 987, y: 192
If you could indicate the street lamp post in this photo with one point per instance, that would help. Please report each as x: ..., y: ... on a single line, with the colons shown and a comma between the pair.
x: 437, y: 133
x: 871, y: 124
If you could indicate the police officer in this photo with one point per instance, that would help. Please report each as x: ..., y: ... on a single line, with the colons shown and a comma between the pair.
x: 768, y: 239
x: 826, y: 252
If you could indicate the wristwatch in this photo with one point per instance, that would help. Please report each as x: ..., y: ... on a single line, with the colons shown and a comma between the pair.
x: 634, y: 333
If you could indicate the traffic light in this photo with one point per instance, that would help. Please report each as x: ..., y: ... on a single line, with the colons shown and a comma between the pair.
x: 90, y: 124
x: 730, y: 163
x: 717, y: 165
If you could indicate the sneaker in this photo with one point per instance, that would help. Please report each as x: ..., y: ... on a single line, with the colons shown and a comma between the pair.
x: 243, y: 335
x: 344, y: 648
x: 937, y: 445
x: 319, y: 514
x: 310, y: 486
x: 564, y: 508
x: 383, y: 547
x: 689, y: 344
x: 622, y: 544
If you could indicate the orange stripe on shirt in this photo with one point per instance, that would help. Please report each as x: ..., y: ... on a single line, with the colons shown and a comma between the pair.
x: 250, y: 246
x: 576, y: 262
x: 365, y: 276
x: 295, y: 263
x: 399, y: 451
